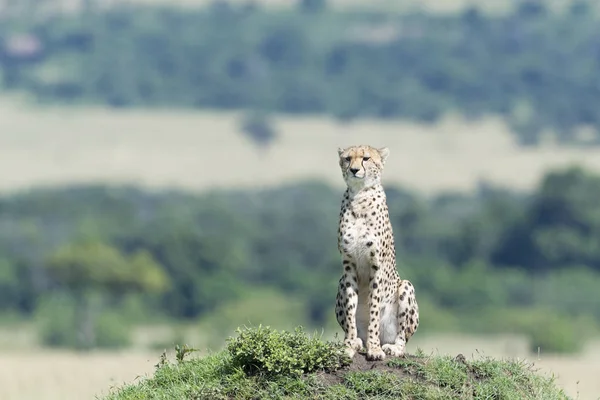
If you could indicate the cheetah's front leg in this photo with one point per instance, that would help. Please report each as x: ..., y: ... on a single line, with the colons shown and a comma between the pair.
x: 374, y: 351
x: 346, y: 304
x: 407, y: 319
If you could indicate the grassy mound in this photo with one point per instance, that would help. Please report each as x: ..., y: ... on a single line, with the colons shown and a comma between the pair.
x: 261, y: 363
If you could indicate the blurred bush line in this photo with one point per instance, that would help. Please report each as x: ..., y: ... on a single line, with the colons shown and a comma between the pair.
x: 534, y: 66
x: 492, y: 261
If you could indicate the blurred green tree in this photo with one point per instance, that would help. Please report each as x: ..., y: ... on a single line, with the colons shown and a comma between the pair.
x: 89, y: 268
x: 560, y: 228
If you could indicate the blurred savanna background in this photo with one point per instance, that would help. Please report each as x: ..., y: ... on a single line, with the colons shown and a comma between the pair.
x: 168, y: 172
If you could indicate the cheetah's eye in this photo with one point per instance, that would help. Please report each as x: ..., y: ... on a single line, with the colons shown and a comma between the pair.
x: 366, y: 158
x: 348, y: 159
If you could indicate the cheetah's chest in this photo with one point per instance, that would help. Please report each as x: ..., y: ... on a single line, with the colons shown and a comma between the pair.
x: 360, y: 242
x: 357, y: 238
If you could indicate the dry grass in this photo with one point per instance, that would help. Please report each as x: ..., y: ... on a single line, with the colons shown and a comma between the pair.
x: 64, y: 375
x: 51, y: 375
x: 188, y: 149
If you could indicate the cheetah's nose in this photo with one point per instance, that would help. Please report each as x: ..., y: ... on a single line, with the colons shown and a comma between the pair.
x: 354, y: 170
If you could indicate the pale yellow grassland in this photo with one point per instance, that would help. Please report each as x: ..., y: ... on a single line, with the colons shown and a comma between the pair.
x: 199, y: 150
x: 63, y: 375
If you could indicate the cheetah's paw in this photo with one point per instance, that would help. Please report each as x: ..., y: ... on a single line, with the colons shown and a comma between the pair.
x: 394, y: 350
x: 352, y: 346
x: 375, y: 354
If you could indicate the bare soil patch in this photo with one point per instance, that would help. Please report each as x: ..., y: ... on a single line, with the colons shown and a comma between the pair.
x: 360, y: 364
x: 403, y: 366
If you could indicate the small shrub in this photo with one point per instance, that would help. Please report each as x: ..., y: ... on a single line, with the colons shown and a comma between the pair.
x: 259, y: 129
x: 261, y: 306
x: 112, y: 331
x: 263, y: 350
x: 57, y: 325
x: 553, y: 335
x: 551, y: 332
x: 55, y: 317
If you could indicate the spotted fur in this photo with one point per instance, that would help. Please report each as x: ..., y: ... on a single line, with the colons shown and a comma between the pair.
x: 373, y: 305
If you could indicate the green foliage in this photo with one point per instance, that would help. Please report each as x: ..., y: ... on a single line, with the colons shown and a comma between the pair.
x: 219, y: 376
x: 575, y: 285
x: 9, y: 284
x: 208, y: 378
x: 473, y: 258
x: 553, y: 337
x: 57, y: 325
x: 561, y: 226
x: 89, y: 265
x: 434, y: 318
x: 458, y: 378
x: 265, y: 351
x: 547, y: 329
x: 318, y: 60
x: 182, y: 351
x: 92, y: 271
x: 511, y: 379
x: 550, y: 332
x: 113, y: 331
x: 56, y: 318
x: 366, y: 384
x: 261, y: 306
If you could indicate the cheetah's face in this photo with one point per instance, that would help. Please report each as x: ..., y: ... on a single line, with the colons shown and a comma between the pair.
x: 362, y: 165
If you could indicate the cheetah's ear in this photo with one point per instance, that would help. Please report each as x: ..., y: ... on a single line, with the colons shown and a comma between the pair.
x: 340, y: 151
x: 384, y: 152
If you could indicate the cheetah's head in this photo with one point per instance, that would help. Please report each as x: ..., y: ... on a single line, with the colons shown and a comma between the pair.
x: 362, y: 165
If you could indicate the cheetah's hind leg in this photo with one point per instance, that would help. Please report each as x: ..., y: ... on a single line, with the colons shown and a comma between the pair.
x: 407, y: 320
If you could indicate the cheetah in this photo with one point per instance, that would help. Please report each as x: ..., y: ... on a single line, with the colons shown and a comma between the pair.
x: 373, y: 305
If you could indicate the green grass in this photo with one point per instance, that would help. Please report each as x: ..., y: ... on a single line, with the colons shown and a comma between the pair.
x: 261, y: 363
